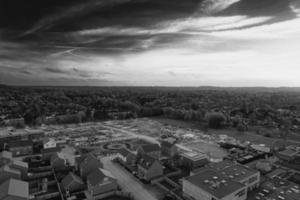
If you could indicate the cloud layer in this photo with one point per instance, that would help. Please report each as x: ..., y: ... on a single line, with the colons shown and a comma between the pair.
x: 151, y: 42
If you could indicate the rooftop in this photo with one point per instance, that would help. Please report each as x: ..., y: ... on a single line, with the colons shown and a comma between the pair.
x: 99, y: 176
x: 194, y: 156
x: 215, y: 183
x: 15, y: 188
x: 238, y: 172
x: 20, y: 163
x: 20, y: 143
x: 146, y: 161
x: 150, y: 147
x: 6, y: 154
x: 70, y: 178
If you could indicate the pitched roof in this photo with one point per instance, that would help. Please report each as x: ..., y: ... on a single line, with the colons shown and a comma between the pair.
x: 20, y: 143
x: 51, y: 150
x: 214, y: 183
x: 19, y: 163
x: 7, y: 168
x: 57, y: 156
x: 15, y: 188
x: 124, y: 152
x: 99, y: 176
x: 6, y: 154
x: 71, y: 178
x: 146, y: 161
x: 90, y: 158
x: 147, y: 148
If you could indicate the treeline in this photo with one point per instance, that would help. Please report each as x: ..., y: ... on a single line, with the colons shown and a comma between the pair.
x: 227, y: 107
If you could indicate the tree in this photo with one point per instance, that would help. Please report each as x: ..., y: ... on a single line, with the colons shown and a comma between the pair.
x: 215, y: 120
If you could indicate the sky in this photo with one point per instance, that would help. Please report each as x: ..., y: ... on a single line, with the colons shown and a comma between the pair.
x: 225, y: 43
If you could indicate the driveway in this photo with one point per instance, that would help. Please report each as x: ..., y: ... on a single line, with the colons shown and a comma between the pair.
x: 127, y: 181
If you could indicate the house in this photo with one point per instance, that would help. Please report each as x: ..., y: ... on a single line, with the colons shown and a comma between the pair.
x: 13, y: 189
x: 5, y: 157
x: 21, y: 147
x: 21, y: 166
x: 149, y: 149
x: 72, y: 183
x: 100, y: 182
x: 47, y: 153
x: 210, y: 184
x: 169, y: 148
x: 149, y: 168
x: 49, y: 143
x: 193, y: 160
x: 126, y: 157
x: 6, y: 172
x: 89, y: 164
x: 57, y: 161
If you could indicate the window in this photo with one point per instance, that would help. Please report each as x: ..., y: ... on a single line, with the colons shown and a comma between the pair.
x: 241, y: 193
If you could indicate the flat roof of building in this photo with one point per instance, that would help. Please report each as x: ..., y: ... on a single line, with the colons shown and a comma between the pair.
x: 238, y: 172
x: 215, y: 183
x: 194, y: 156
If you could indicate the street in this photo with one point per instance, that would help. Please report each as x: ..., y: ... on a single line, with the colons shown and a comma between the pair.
x: 127, y: 182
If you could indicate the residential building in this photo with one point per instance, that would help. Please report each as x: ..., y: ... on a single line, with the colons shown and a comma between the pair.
x: 212, y: 185
x: 49, y: 143
x: 21, y: 147
x: 149, y: 149
x: 89, y: 164
x: 100, y: 182
x: 193, y: 160
x: 169, y: 148
x: 5, y: 157
x: 72, y: 183
x: 21, y: 166
x: 149, y: 168
x: 126, y: 156
x: 57, y: 161
x: 6, y: 172
x: 47, y: 153
x: 13, y: 189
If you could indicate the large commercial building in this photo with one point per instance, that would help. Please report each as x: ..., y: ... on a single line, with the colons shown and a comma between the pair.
x: 221, y: 177
x: 212, y: 185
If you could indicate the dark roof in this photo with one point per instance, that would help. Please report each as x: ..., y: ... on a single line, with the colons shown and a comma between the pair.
x: 99, y: 176
x: 146, y: 161
x: 215, y: 183
x: 51, y: 150
x: 147, y: 148
x: 167, y: 144
x: 15, y: 188
x: 20, y: 143
x: 71, y: 178
x: 124, y: 152
x: 90, y: 158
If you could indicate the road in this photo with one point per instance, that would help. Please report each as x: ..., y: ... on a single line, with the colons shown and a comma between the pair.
x: 127, y: 182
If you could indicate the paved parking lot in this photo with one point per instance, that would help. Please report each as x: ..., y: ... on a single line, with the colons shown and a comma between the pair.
x: 127, y: 181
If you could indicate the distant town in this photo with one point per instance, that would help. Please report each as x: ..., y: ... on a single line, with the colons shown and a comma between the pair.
x: 114, y: 143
